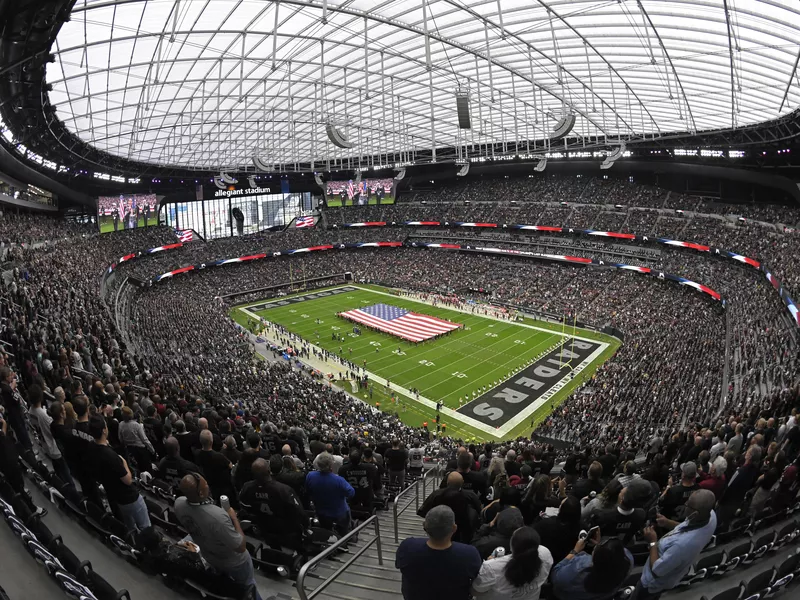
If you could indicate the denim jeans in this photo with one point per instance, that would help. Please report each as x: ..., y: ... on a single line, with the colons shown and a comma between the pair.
x: 243, y: 574
x: 397, y: 477
x: 341, y: 525
x: 62, y: 470
x: 135, y: 515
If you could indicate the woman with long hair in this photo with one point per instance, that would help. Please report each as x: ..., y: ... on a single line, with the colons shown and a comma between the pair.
x: 498, y: 478
x: 596, y: 576
x: 605, y: 499
x: 538, y: 498
x: 518, y: 575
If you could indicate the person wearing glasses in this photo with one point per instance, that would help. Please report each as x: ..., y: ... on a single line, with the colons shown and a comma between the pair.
x: 216, y: 531
x: 596, y: 576
x: 672, y: 556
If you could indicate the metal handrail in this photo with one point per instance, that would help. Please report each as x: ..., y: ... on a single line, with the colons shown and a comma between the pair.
x: 373, y: 520
x: 415, y: 485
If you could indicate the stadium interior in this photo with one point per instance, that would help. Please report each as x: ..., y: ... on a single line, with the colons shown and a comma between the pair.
x: 401, y: 299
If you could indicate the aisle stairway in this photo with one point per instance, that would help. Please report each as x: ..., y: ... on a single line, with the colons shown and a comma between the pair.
x: 367, y: 578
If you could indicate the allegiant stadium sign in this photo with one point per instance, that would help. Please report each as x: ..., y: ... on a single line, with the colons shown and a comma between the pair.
x: 248, y: 192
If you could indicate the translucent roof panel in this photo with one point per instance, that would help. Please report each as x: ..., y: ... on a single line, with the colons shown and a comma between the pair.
x: 210, y: 84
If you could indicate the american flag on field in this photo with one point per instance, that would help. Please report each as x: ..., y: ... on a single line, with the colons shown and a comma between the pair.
x: 304, y: 222
x: 400, y: 322
x: 184, y: 235
x: 351, y: 189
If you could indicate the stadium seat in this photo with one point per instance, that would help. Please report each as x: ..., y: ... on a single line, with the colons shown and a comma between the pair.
x: 785, y: 535
x: 43, y: 556
x: 736, y: 555
x: 761, y: 546
x: 72, y: 586
x: 758, y: 586
x: 42, y: 532
x: 101, y: 588
x: 733, y: 593
x: 704, y: 568
x: 785, y: 573
x: 71, y: 563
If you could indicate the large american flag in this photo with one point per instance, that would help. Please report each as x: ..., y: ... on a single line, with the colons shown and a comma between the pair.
x: 400, y: 322
x: 185, y: 235
x: 351, y: 189
x: 304, y: 222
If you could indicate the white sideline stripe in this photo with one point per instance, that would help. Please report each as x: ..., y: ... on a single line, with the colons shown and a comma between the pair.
x: 453, y: 414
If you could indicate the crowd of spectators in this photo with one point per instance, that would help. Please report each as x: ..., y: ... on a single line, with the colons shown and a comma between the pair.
x: 125, y: 397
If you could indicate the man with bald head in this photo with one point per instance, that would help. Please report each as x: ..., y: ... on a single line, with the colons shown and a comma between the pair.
x: 464, y: 503
x: 217, y: 532
x: 173, y: 466
x: 216, y: 468
x: 286, y: 450
x: 672, y: 556
x: 274, y: 507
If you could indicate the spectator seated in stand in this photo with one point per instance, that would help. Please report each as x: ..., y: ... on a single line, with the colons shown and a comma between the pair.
x: 215, y: 531
x: 595, y: 576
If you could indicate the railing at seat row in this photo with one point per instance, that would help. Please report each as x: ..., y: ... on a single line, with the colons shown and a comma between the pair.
x: 432, y: 474
x: 301, y: 577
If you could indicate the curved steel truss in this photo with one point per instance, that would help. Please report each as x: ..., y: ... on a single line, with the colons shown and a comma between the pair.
x: 207, y: 84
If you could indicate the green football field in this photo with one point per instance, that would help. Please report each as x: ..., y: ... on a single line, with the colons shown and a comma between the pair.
x: 107, y: 223
x: 453, y: 369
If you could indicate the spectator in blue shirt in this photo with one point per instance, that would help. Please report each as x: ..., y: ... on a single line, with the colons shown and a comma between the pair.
x: 673, y: 555
x: 329, y: 492
x: 596, y: 576
x: 437, y: 568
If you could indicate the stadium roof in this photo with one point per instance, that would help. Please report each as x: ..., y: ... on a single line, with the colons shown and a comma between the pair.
x: 208, y: 84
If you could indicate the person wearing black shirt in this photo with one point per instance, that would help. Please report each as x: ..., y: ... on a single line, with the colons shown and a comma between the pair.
x: 13, y: 403
x: 463, y: 502
x: 154, y: 430
x: 10, y: 466
x: 110, y: 469
x: 395, y: 459
x: 287, y: 473
x: 675, y: 496
x: 173, y: 467
x: 364, y: 479
x: 511, y: 464
x: 474, y: 481
x: 216, y: 469
x: 609, y: 461
x: 593, y: 483
x: 84, y: 445
x: 316, y: 445
x: 254, y: 442
x: 184, y: 440
x: 274, y: 507
x: 272, y: 444
x: 627, y: 517
x: 559, y: 534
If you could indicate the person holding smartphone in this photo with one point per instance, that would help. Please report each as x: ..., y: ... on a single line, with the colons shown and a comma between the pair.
x: 596, y: 576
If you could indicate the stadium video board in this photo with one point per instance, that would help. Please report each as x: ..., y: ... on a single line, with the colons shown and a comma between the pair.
x: 231, y: 215
x: 352, y: 193
x: 126, y: 211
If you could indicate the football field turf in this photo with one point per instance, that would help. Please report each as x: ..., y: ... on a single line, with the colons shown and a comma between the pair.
x: 459, y: 369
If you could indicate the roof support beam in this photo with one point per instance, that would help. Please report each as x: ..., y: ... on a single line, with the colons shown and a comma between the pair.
x: 730, y: 54
x: 791, y: 76
x: 672, y: 66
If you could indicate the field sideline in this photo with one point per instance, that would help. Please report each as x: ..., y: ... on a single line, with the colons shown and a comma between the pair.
x: 455, y: 369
